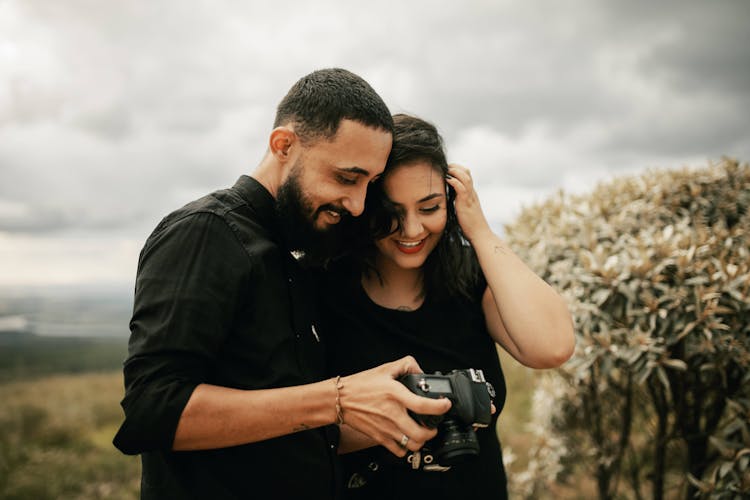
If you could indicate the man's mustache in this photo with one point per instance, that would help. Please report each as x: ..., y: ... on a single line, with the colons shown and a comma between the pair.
x: 333, y: 208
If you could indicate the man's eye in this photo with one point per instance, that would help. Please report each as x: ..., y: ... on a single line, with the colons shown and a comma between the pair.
x: 349, y: 181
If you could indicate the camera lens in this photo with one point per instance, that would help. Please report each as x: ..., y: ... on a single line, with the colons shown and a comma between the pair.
x: 455, y: 442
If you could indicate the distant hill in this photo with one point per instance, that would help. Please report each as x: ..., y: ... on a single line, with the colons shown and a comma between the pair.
x: 26, y: 355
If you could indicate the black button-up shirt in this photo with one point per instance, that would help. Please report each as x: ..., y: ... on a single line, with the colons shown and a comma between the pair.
x: 218, y: 300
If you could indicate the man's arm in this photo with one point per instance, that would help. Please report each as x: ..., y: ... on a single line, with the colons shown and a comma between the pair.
x: 181, y: 315
x: 179, y: 323
x: 372, y: 402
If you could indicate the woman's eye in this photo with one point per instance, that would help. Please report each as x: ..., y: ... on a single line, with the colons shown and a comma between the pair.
x: 433, y: 208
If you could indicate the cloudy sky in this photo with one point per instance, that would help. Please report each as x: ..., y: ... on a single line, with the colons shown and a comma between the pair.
x: 113, y: 113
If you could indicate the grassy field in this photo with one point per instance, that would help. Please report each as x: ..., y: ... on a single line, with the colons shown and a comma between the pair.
x: 55, y: 439
x: 60, y: 410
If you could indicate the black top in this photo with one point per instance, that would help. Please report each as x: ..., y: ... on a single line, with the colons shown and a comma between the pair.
x: 219, y: 301
x: 442, y: 337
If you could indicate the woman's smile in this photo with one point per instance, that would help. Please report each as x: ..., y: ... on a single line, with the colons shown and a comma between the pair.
x: 410, y: 247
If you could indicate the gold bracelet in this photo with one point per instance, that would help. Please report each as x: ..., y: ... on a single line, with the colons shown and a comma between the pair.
x: 339, y: 411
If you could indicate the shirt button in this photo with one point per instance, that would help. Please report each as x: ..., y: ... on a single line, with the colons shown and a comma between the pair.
x: 290, y: 279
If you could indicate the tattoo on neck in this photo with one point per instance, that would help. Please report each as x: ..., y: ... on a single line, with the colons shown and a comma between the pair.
x: 405, y: 308
x: 301, y: 427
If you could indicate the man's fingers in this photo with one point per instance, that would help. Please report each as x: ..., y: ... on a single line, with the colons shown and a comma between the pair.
x: 405, y: 443
x: 425, y: 406
x: 408, y: 443
x: 405, y: 365
x: 394, y: 448
x: 418, y: 435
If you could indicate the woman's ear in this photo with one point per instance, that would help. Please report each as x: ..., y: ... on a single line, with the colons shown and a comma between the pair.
x: 280, y: 143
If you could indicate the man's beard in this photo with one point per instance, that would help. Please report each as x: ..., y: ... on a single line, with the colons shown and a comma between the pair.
x: 297, y: 218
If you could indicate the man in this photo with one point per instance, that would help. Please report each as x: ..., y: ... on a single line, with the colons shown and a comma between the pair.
x: 225, y: 390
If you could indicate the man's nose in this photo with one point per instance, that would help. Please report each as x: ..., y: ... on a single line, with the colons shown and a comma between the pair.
x: 355, y: 202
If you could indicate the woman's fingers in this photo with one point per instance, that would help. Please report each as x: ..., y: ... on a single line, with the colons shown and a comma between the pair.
x: 467, y: 205
x: 463, y: 174
x: 460, y: 179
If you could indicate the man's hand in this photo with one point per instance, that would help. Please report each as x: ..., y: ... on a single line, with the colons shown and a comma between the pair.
x: 375, y: 403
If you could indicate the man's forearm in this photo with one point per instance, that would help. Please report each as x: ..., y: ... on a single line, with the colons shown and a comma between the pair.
x: 372, y: 402
x: 219, y: 417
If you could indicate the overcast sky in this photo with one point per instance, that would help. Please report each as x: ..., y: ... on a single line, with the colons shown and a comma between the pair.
x: 113, y: 113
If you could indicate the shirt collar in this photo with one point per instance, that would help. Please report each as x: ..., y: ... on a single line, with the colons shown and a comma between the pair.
x: 262, y: 202
x: 264, y: 205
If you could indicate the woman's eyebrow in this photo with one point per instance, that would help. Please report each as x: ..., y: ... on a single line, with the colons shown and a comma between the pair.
x: 426, y: 198
x: 430, y: 196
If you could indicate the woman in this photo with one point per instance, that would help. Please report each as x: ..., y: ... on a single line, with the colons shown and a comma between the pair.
x: 436, y: 283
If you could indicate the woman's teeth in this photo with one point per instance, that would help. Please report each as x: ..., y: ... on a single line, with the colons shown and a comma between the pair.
x: 410, y: 244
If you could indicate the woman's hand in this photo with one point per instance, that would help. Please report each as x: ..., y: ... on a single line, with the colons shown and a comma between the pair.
x: 523, y: 313
x: 468, y: 209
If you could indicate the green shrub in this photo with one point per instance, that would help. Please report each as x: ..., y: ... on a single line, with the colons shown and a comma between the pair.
x: 656, y: 400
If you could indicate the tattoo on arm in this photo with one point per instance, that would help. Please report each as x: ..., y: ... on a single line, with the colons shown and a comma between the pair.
x: 500, y: 249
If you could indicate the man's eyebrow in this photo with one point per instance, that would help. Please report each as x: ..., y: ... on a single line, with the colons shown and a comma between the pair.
x: 354, y: 170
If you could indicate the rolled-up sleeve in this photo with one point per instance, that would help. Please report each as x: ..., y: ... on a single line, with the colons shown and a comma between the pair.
x: 190, y: 274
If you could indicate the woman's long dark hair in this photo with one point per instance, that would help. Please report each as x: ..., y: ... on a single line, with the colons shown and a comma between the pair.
x: 451, y: 270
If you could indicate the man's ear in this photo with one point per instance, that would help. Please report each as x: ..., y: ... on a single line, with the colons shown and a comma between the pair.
x: 281, y: 141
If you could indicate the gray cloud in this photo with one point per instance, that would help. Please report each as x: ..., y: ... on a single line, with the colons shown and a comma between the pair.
x: 49, y: 219
x: 114, y: 113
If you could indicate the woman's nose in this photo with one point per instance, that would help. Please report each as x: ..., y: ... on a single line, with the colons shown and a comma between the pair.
x: 411, y: 226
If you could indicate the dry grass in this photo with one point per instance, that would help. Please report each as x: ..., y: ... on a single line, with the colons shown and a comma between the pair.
x: 55, y: 439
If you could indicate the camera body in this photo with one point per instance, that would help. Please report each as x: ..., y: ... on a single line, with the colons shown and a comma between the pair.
x: 471, y: 397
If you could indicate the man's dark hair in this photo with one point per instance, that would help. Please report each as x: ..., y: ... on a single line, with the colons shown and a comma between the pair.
x: 452, y: 269
x: 317, y: 103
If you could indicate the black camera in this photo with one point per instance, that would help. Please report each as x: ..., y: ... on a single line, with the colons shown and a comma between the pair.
x: 471, y: 397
